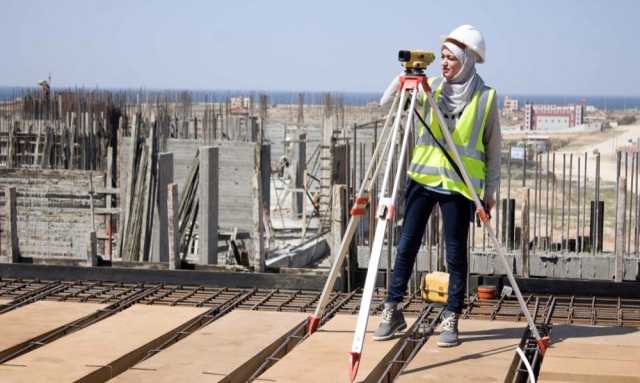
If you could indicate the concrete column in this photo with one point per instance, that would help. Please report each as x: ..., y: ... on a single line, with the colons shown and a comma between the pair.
x: 525, y: 233
x: 339, y: 220
x: 208, y: 209
x: 11, y: 150
x: 108, y: 218
x: 338, y: 223
x: 160, y: 236
x: 258, y: 257
x: 92, y: 249
x: 11, y: 212
x: 300, y: 162
x: 253, y: 129
x: 172, y: 229
x: 620, y: 229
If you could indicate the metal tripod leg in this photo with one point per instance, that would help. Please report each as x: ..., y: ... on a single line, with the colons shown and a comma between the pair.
x: 542, y: 342
x: 386, y: 213
x: 358, y: 210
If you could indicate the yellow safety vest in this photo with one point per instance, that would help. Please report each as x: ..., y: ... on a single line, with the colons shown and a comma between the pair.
x: 429, y: 166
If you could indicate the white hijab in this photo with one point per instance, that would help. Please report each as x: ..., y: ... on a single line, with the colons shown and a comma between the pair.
x: 457, y: 92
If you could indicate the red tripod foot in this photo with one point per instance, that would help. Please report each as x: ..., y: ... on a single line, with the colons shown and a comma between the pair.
x: 312, y: 325
x: 354, y: 360
x: 543, y: 344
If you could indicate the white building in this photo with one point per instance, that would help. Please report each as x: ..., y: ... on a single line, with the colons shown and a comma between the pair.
x: 510, y: 105
x: 551, y: 117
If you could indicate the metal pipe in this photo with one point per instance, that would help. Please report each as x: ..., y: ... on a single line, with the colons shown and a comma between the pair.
x: 596, y: 222
x: 507, y: 208
x: 546, y: 217
x: 539, y: 201
x: 637, y: 197
x: 630, y: 203
x: 564, y: 169
x: 618, y: 171
x: 498, y: 209
x: 584, y: 201
x: 536, y: 184
x: 569, y: 200
x: 524, y: 166
x: 553, y: 198
x: 578, y: 248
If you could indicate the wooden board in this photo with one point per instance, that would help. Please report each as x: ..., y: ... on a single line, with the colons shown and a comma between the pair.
x: 19, y: 326
x: 324, y: 357
x: 229, y: 349
x: 102, y: 350
x: 484, y: 354
x: 592, y: 354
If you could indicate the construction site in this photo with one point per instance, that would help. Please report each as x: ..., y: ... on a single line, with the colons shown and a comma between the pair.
x: 319, y: 192
x: 152, y: 238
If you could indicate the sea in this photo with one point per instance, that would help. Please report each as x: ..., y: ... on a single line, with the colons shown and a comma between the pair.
x: 349, y: 98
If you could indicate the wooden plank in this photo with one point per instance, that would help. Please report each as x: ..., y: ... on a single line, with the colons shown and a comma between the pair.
x: 324, y: 357
x: 102, y: 350
x: 592, y: 354
x: 229, y: 349
x: 107, y: 190
x: 24, y: 324
x: 106, y: 210
x: 149, y: 195
x: 484, y: 354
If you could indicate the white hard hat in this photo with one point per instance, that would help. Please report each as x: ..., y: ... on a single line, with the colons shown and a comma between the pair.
x: 470, y: 37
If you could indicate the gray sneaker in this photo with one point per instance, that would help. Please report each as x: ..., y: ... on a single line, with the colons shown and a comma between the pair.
x: 392, y: 321
x: 448, y: 330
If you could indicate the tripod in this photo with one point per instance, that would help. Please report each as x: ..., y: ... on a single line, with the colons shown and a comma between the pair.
x: 393, y: 135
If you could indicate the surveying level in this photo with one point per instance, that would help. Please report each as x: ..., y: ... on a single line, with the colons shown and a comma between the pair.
x: 391, y: 148
x: 416, y: 60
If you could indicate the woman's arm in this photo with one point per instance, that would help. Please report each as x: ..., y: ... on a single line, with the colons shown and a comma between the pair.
x: 492, y: 140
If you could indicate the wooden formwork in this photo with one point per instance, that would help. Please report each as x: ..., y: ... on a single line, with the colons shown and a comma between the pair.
x: 592, y: 354
x: 25, y: 324
x: 101, y: 351
x: 229, y: 349
x: 484, y: 354
x: 324, y: 356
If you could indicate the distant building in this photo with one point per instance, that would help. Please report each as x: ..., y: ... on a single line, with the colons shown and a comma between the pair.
x: 551, y: 117
x: 510, y: 105
x: 240, y: 105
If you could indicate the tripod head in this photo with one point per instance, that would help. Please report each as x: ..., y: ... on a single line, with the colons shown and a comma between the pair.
x: 416, y: 61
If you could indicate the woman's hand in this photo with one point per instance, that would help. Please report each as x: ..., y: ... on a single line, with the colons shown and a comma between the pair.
x: 387, y: 96
x: 392, y: 88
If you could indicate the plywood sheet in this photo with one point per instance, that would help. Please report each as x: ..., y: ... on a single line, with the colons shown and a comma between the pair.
x: 104, y: 349
x: 324, y: 357
x: 484, y: 354
x: 38, y: 318
x: 229, y: 349
x: 592, y: 354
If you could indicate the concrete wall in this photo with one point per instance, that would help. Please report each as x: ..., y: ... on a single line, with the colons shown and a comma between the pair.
x: 54, y: 214
x: 601, y: 267
x: 237, y: 169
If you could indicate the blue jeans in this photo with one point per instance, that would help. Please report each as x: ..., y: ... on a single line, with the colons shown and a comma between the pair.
x: 456, y: 214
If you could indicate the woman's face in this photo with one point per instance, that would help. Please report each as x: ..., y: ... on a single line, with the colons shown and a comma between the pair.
x: 450, y: 64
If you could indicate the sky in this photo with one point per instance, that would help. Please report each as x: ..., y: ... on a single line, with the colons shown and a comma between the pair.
x: 550, y: 47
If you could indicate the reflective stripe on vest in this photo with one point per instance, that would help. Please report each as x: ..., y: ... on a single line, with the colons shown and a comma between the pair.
x: 430, y: 167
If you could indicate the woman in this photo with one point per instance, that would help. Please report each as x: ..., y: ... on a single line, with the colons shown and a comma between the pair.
x: 470, y: 110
